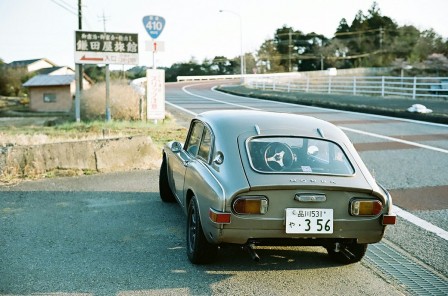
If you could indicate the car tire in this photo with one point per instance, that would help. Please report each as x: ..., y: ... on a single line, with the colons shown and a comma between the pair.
x: 347, y: 253
x: 199, y: 250
x: 164, y: 187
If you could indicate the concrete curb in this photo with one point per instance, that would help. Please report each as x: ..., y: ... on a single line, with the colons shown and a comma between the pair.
x: 101, y: 155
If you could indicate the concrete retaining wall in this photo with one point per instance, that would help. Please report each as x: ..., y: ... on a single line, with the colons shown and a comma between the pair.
x: 105, y: 155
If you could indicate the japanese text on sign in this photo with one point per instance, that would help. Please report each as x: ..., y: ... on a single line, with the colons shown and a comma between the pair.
x: 106, y: 42
x: 106, y: 47
x: 155, y: 94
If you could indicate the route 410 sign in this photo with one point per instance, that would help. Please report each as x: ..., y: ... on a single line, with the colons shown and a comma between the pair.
x: 154, y: 25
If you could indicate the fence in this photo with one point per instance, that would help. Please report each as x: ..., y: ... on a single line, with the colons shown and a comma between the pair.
x: 407, y: 87
x: 347, y: 81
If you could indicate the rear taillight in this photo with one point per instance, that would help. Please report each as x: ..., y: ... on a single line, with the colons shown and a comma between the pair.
x: 389, y: 219
x: 365, y: 207
x: 246, y: 205
x: 219, y: 217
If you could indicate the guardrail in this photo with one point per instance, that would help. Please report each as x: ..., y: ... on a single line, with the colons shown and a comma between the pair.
x: 408, y: 87
x: 207, y: 77
x: 237, y: 76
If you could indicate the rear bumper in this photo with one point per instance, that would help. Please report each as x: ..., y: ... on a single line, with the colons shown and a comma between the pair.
x: 365, y: 232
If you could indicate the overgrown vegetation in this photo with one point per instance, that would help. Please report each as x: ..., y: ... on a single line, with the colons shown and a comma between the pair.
x: 124, y: 101
x: 125, y: 114
x: 160, y: 133
x: 369, y: 40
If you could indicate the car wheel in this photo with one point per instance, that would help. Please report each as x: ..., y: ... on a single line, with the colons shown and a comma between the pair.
x: 199, y: 250
x: 347, y: 253
x: 164, y: 187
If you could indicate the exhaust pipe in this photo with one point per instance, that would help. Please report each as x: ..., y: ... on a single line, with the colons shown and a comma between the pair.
x: 249, y: 248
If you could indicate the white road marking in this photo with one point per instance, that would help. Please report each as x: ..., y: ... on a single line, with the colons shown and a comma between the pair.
x: 342, y: 111
x: 398, y: 211
x: 421, y: 223
x: 359, y: 131
x: 182, y: 109
x: 215, y: 100
x: 394, y: 139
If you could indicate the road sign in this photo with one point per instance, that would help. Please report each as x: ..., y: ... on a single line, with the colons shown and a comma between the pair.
x: 106, y: 48
x: 155, y: 46
x: 155, y: 107
x: 154, y: 25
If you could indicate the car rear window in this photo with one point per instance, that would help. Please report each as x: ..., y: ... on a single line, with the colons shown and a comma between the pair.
x: 297, y: 155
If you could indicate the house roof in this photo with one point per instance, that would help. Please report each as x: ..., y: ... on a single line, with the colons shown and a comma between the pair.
x: 44, y: 71
x: 25, y: 63
x: 50, y: 80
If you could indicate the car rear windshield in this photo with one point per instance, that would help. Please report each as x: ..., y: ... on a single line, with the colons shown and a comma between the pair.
x: 297, y: 155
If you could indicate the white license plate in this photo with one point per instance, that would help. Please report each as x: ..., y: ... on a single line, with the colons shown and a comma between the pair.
x: 309, y: 220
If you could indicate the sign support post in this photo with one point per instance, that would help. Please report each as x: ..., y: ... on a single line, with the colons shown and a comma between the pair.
x: 77, y: 94
x: 155, y: 79
x: 103, y: 48
x: 108, y: 115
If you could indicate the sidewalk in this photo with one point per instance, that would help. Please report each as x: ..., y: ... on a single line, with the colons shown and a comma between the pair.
x: 388, y: 106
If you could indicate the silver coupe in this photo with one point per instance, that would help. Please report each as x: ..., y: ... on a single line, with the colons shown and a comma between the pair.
x: 256, y: 178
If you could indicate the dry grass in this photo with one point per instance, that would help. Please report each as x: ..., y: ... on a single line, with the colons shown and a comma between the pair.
x: 162, y: 132
x: 125, y: 123
x: 123, y: 99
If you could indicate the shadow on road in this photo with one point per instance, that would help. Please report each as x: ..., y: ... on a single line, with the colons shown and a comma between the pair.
x: 115, y: 243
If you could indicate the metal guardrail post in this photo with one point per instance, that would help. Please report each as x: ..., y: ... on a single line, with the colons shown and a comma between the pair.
x: 414, y: 88
x: 356, y: 85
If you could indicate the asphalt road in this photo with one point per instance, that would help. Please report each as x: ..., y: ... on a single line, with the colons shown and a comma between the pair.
x: 408, y: 157
x: 110, y: 234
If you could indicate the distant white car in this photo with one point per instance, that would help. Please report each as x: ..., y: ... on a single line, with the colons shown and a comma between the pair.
x: 418, y: 108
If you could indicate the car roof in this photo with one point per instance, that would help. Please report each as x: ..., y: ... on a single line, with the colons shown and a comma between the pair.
x: 234, y: 127
x: 236, y: 122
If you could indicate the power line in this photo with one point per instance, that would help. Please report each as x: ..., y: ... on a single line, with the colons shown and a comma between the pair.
x: 69, y: 5
x: 66, y: 7
x: 104, y: 19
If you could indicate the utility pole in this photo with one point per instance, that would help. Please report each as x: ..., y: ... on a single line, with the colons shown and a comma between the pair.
x: 381, y: 38
x: 381, y: 45
x: 81, y: 70
x: 108, y: 115
x: 78, y: 73
x: 289, y: 50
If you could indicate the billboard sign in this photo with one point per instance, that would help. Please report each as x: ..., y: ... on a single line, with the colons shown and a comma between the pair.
x: 155, y: 107
x: 106, y: 48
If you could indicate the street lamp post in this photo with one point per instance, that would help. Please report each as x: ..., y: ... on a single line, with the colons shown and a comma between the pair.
x: 241, y: 40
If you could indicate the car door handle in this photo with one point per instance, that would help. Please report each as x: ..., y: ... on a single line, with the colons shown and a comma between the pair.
x: 185, y: 163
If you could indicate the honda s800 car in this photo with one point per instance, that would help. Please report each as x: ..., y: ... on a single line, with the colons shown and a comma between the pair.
x: 256, y: 178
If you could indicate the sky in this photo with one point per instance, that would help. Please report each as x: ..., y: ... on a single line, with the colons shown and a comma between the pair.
x: 194, y: 29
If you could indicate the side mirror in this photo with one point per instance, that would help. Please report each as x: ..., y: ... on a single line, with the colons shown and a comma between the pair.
x: 176, y: 147
x: 219, y: 158
x: 313, y: 150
